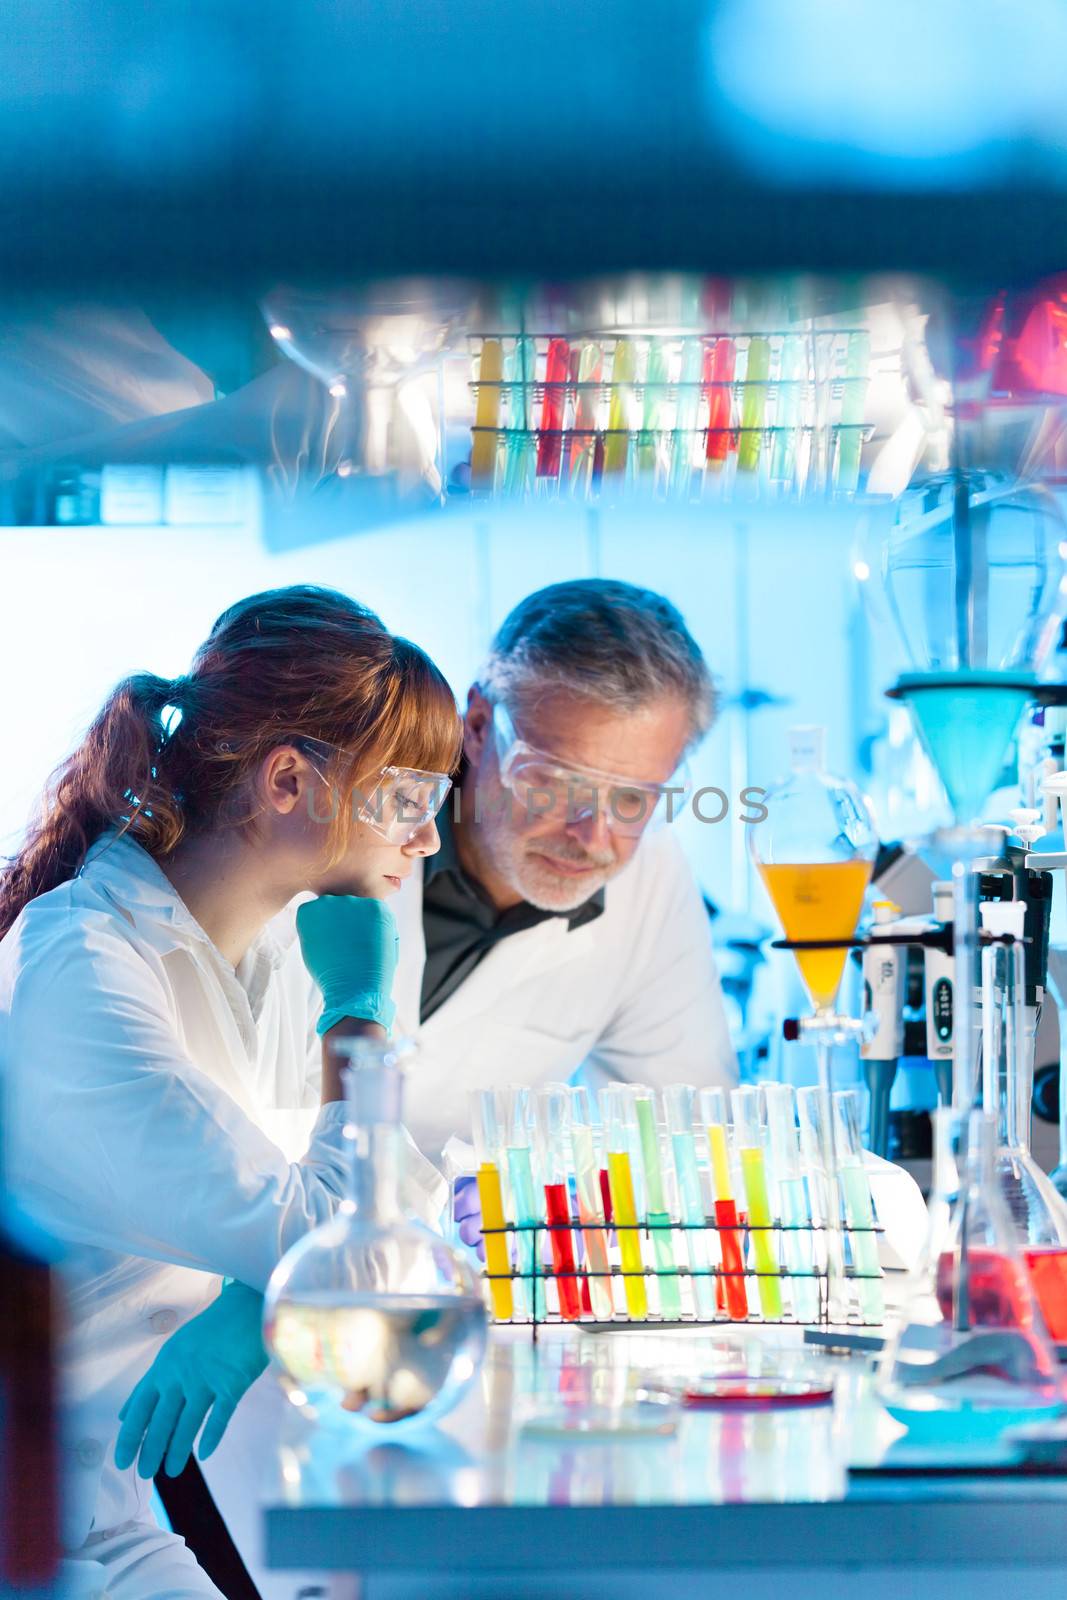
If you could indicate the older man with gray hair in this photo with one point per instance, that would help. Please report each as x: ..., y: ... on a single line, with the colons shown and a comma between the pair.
x: 560, y: 925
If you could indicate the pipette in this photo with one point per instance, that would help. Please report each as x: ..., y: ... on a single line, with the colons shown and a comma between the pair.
x: 753, y: 402
x: 614, y: 1113
x: 749, y: 1140
x: 524, y: 1195
x: 778, y: 1099
x: 488, y: 1141
x: 859, y: 1207
x: 553, y: 1134
x: 679, y: 1103
x: 486, y: 442
x: 617, y: 443
x: 853, y: 405
x: 714, y: 1114
x: 550, y: 442
x: 670, y: 1300
x: 590, y: 1205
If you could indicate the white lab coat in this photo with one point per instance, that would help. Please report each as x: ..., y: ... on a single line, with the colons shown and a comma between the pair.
x: 156, y: 1101
x: 634, y: 994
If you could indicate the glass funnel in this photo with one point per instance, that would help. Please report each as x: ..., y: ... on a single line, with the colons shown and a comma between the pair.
x: 969, y: 1355
x: 374, y: 1320
x: 1038, y: 1213
x: 814, y: 853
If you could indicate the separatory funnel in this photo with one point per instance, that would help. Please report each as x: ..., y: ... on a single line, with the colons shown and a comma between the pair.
x: 970, y: 1355
x: 814, y: 852
x: 973, y: 577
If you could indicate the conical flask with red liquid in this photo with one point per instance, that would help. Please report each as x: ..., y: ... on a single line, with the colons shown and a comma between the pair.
x: 969, y: 1355
x: 1038, y: 1212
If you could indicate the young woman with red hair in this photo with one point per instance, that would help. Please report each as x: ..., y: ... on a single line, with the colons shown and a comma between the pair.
x: 171, y: 1112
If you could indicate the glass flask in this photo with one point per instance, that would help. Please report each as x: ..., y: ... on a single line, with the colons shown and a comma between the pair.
x: 1038, y: 1212
x: 374, y: 1320
x: 814, y: 852
x: 969, y: 1355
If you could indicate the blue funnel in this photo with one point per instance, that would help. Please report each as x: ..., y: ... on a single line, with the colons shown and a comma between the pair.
x: 966, y: 721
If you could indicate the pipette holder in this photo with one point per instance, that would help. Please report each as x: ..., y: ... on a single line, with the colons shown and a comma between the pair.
x: 546, y: 1274
x: 792, y: 427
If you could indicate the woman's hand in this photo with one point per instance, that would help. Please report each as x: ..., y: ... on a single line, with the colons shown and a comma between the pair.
x: 205, y: 1367
x: 350, y: 946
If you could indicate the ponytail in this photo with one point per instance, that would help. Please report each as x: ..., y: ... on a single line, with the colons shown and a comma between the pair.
x: 109, y: 780
x: 301, y: 660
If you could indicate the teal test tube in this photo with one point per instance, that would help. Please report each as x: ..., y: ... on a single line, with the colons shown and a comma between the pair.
x: 670, y: 1297
x: 679, y: 1101
x: 797, y: 1237
x: 859, y: 1205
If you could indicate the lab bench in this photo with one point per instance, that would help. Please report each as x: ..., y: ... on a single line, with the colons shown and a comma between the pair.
x: 734, y: 1502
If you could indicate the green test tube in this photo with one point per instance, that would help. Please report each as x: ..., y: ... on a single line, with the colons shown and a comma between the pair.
x: 859, y: 1206
x: 521, y: 444
x: 670, y: 1298
x: 748, y: 1136
x: 753, y: 404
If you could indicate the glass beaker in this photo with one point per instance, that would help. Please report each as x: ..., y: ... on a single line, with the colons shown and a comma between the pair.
x: 374, y: 1320
x: 969, y: 1355
x: 1036, y: 1209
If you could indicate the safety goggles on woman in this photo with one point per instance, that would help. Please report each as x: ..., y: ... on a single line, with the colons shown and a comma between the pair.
x: 400, y: 802
x: 547, y: 787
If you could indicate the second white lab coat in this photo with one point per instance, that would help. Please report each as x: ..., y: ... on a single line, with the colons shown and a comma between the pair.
x: 633, y: 994
x: 156, y: 1101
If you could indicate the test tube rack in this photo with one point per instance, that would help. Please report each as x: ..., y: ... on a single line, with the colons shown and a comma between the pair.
x: 542, y: 1314
x: 782, y: 411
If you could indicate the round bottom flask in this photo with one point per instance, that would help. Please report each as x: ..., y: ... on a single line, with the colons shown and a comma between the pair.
x: 374, y: 1320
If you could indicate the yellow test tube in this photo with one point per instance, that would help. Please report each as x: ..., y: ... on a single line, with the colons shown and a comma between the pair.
x: 497, y: 1261
x: 617, y: 441
x: 486, y: 441
x: 757, y: 1201
x: 625, y: 1218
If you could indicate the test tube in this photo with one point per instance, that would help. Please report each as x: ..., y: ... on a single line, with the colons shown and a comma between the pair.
x: 853, y: 405
x: 550, y: 442
x: 583, y: 444
x: 818, y: 1153
x: 615, y: 1116
x: 748, y: 1137
x: 859, y: 1206
x: 753, y: 403
x: 617, y: 443
x: 716, y: 1119
x: 685, y: 417
x: 486, y: 441
x: 488, y: 1142
x: 524, y: 1195
x: 552, y: 1106
x: 787, y: 412
x: 670, y: 1298
x: 719, y: 365
x: 590, y: 1206
x: 679, y: 1103
x: 797, y: 1237
x: 652, y: 410
x: 522, y: 371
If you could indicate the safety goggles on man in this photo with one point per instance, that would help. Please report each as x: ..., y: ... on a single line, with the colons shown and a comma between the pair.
x: 401, y: 801
x: 545, y: 786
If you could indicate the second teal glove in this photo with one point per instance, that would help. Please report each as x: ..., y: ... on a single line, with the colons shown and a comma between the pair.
x: 205, y: 1367
x: 350, y: 946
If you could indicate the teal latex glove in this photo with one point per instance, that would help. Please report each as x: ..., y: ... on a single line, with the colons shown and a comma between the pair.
x: 206, y: 1366
x: 350, y: 947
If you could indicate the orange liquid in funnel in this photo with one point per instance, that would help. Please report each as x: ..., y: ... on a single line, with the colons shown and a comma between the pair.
x: 820, y: 900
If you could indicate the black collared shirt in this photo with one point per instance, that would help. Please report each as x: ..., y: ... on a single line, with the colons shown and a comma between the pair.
x: 460, y: 923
